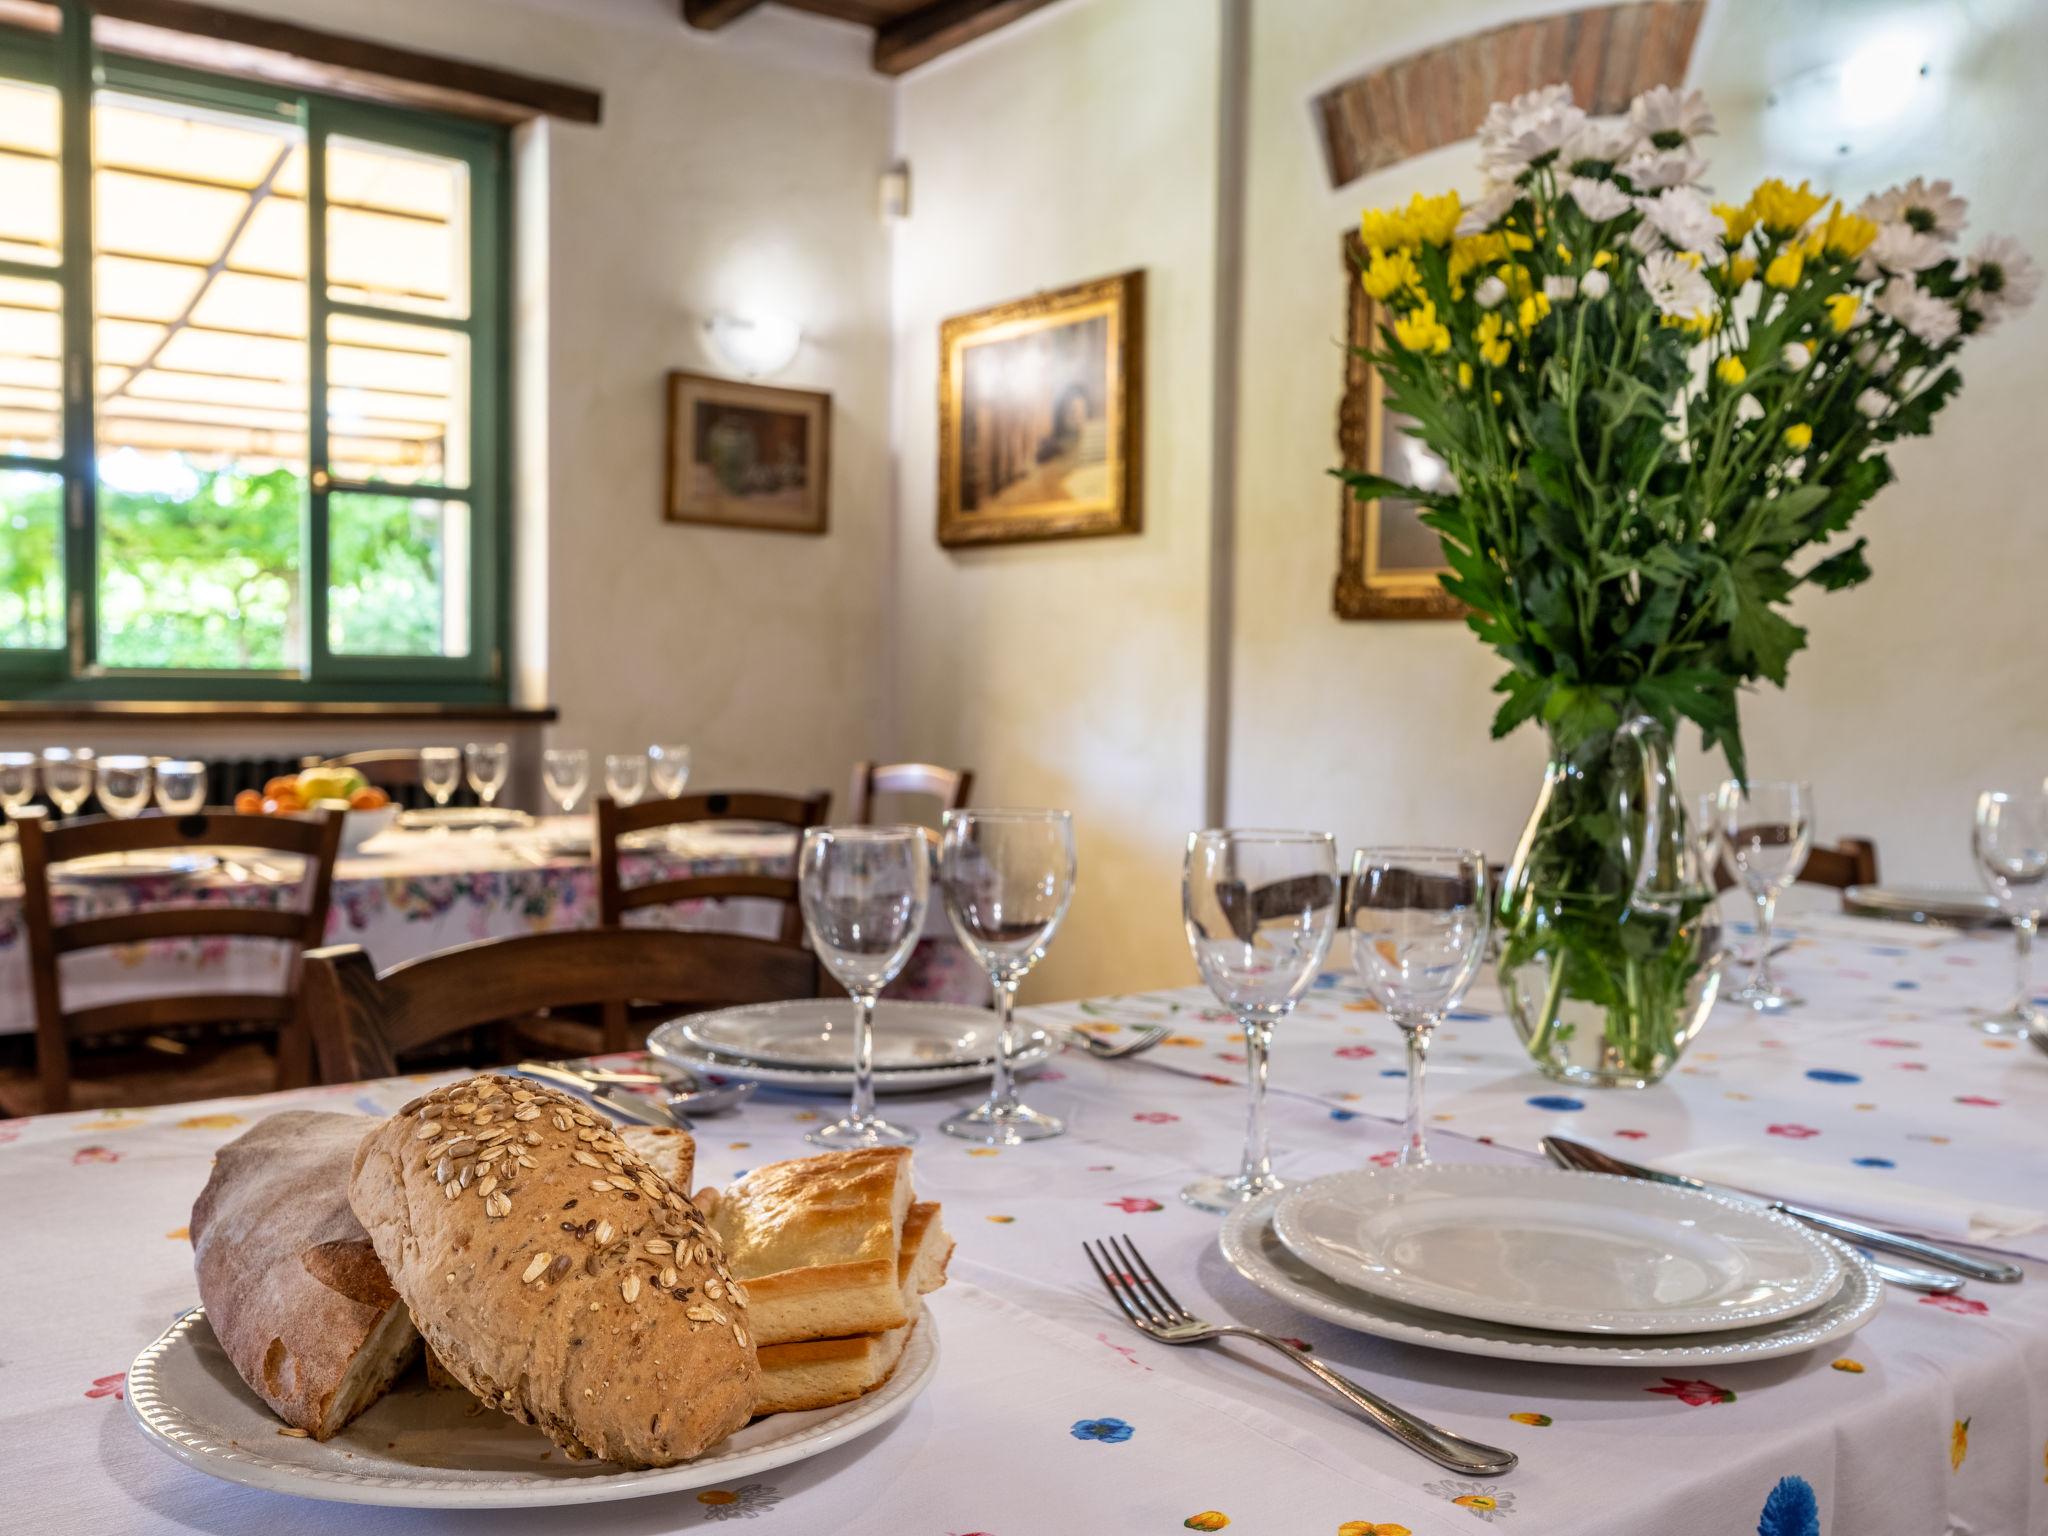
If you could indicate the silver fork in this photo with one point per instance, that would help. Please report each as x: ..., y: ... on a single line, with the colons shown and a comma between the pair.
x: 1153, y: 1311
x: 1101, y: 1050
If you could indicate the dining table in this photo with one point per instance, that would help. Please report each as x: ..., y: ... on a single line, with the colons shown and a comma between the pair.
x: 1048, y: 1412
x: 408, y: 893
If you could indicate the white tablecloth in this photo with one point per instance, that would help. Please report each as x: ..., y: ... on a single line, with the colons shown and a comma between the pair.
x: 1050, y: 1415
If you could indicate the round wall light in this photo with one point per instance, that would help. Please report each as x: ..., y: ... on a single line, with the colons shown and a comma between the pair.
x: 755, y: 345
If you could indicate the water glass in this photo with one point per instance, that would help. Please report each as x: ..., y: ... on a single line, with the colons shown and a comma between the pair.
x: 67, y: 778
x: 1767, y: 828
x: 487, y: 763
x: 565, y: 771
x: 124, y: 786
x: 1419, y: 920
x: 1260, y: 909
x: 625, y: 776
x: 2011, y: 845
x: 440, y: 773
x: 181, y: 786
x: 17, y: 781
x: 863, y: 891
x: 1007, y: 878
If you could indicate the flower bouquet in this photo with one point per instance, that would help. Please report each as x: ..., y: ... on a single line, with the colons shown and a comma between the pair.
x: 1661, y: 414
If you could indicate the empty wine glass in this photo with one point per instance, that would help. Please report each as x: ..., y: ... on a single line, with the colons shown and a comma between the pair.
x: 625, y: 776
x: 124, y: 786
x: 181, y: 786
x: 440, y: 773
x: 668, y: 768
x: 487, y: 762
x: 1260, y: 909
x: 863, y: 892
x: 17, y: 781
x: 2011, y: 844
x: 67, y: 778
x: 1007, y: 877
x: 1419, y: 918
x: 1767, y: 828
x: 565, y: 771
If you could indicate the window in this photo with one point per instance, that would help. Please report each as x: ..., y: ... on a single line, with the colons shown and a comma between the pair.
x: 251, y: 393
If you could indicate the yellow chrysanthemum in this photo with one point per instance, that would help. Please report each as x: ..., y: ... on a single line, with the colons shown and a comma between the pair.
x: 1386, y: 229
x: 1470, y: 252
x: 1785, y: 267
x: 1564, y: 253
x: 1730, y: 371
x: 1493, y: 344
x: 1496, y: 401
x: 1848, y: 235
x: 1388, y: 272
x: 1531, y: 311
x: 1520, y: 284
x: 1518, y: 242
x: 1737, y: 220
x: 1420, y: 331
x: 1699, y: 326
x: 1739, y: 270
x: 1603, y: 258
x: 1843, y: 308
x: 1782, y: 209
x: 1799, y: 437
x: 1464, y: 375
x: 1434, y: 219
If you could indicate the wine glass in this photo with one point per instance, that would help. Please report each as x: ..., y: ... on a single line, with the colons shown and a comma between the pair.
x: 440, y: 773
x: 668, y: 768
x: 1007, y: 877
x: 487, y: 763
x: 124, y: 786
x: 625, y: 776
x: 863, y: 892
x: 1419, y: 919
x: 2011, y: 844
x: 17, y: 781
x: 1767, y: 828
x: 565, y: 771
x: 67, y: 778
x: 181, y: 786
x: 1260, y: 909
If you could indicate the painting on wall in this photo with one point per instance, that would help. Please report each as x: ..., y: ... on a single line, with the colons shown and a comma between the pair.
x: 1039, y: 406
x: 747, y: 455
x: 1388, y: 559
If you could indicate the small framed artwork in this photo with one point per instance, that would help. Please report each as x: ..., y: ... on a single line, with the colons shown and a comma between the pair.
x: 1388, y: 559
x: 1039, y: 416
x: 748, y: 455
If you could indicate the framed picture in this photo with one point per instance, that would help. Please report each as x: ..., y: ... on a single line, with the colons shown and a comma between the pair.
x: 748, y: 455
x: 1039, y: 405
x: 1388, y: 560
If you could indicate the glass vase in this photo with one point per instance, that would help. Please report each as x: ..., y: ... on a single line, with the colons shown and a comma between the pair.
x: 1610, y: 940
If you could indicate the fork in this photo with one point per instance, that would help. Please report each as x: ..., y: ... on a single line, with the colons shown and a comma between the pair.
x: 1153, y: 1312
x: 1144, y: 1040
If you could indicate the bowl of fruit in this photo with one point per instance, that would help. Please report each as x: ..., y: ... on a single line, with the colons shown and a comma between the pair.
x: 325, y: 788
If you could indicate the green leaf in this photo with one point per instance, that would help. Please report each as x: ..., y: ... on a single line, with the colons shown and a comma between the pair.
x: 1858, y: 483
x: 1915, y: 418
x: 1761, y: 638
x: 1845, y: 568
x: 1576, y: 714
x: 1367, y: 487
x: 1525, y: 696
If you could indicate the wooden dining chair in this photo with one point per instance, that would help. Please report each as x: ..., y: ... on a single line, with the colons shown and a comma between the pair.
x: 315, y: 839
x: 1853, y: 861
x: 949, y: 786
x: 361, y: 1022
x: 614, y: 821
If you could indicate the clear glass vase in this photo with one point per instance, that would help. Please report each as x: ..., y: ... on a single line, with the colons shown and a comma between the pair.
x: 1610, y: 941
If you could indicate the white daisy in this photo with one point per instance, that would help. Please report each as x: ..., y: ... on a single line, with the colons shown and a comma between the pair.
x: 1676, y: 287
x: 1686, y: 220
x: 1874, y: 357
x: 1560, y: 288
x: 1927, y: 208
x: 2005, y: 274
x: 1594, y: 285
x: 1795, y: 356
x: 1669, y: 119
x: 1600, y: 144
x: 1481, y: 216
x: 1650, y: 169
x: 1873, y: 403
x: 1489, y: 292
x: 1600, y: 200
x: 1929, y: 319
x: 1527, y: 128
x: 1899, y: 248
x: 1646, y: 239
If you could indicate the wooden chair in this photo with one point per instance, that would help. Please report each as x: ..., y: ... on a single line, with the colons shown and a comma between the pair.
x: 361, y: 1022
x: 949, y: 786
x: 615, y: 821
x: 1853, y: 861
x: 385, y: 767
x: 315, y: 840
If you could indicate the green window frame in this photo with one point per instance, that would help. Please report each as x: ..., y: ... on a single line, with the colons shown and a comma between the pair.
x: 69, y: 62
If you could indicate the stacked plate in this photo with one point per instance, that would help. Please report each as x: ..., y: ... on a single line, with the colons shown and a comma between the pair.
x: 1541, y: 1264
x: 808, y: 1044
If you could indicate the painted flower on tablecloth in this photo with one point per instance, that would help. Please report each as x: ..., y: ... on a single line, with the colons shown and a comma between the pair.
x: 1979, y: 1101
x: 1958, y: 1444
x: 1135, y: 1205
x: 984, y: 1151
x: 114, y: 1386
x: 1355, y: 1052
x: 1155, y: 1117
x: 1888, y: 1044
x: 1911, y: 1066
x: 1108, y: 1431
x: 1967, y: 1306
x: 179, y: 1234
x: 1371, y: 1528
x: 209, y: 1122
x: 1385, y: 1159
x: 1790, y: 1510
x: 1533, y: 1420
x: 1488, y: 1503
x: 1129, y: 1354
x: 1301, y: 1344
x: 1694, y: 1394
x: 1002, y: 1221
x: 94, y: 1155
x: 1794, y: 1132
x: 741, y: 1503
x: 1207, y: 1520
x: 9, y: 1133
x: 1853, y: 1367
x: 1182, y: 1040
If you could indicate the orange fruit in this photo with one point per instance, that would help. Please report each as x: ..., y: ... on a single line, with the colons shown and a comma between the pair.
x: 249, y: 803
x: 369, y: 798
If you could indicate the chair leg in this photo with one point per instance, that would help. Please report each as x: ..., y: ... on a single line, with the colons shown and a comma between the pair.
x: 294, y: 1055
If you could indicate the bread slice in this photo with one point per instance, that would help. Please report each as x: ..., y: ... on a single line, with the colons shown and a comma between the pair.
x: 557, y: 1276
x: 288, y: 1276
x: 816, y: 1241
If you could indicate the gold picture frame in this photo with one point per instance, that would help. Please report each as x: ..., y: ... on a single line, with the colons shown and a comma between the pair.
x: 1379, y: 574
x: 747, y: 455
x: 1040, y: 416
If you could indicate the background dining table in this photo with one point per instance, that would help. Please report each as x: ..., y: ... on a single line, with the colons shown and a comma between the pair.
x: 1048, y: 1413
x: 408, y: 894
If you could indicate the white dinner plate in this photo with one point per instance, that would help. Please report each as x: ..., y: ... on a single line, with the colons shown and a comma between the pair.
x: 1923, y: 904
x: 1538, y: 1247
x: 817, y: 1032
x: 667, y: 1042
x: 143, y: 864
x: 422, y: 1447
x: 1255, y: 1251
x: 463, y: 818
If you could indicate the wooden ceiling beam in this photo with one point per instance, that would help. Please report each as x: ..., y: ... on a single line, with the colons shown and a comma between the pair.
x: 710, y: 15
x: 941, y: 27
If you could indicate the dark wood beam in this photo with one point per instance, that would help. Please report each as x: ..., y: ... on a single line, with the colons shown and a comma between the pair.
x: 710, y: 15
x: 941, y: 27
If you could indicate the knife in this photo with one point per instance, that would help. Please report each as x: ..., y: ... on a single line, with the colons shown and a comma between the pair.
x: 1576, y: 1154
x: 639, y: 1111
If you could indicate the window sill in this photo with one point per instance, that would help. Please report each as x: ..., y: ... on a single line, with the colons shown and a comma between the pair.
x: 90, y: 711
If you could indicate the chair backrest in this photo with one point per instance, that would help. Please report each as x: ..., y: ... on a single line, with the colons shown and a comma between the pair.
x: 1853, y: 861
x: 316, y: 839
x: 949, y: 786
x: 614, y: 821
x: 361, y: 1022
x: 385, y: 767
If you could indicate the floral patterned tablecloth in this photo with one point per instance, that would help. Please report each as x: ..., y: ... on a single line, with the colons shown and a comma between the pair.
x: 410, y: 894
x: 1049, y: 1415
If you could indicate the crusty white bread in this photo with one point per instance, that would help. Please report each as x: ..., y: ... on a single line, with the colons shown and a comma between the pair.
x: 927, y: 1248
x: 291, y: 1285
x: 816, y: 1240
x: 555, y: 1274
x: 671, y: 1153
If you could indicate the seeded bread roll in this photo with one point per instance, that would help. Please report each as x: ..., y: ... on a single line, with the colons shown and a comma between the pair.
x: 555, y: 1274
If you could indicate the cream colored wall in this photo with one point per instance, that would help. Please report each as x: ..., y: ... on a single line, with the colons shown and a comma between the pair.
x: 1077, y: 144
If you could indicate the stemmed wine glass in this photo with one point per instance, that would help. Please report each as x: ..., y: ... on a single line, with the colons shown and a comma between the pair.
x: 1260, y: 909
x: 487, y: 763
x: 1418, y: 934
x: 668, y: 770
x: 863, y: 892
x: 67, y: 778
x: 1008, y: 877
x: 2011, y: 844
x: 625, y: 776
x: 124, y: 788
x: 440, y: 773
x: 17, y: 781
x: 181, y: 786
x: 565, y: 771
x: 1767, y: 828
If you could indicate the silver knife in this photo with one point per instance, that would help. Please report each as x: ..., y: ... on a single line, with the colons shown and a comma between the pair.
x: 638, y: 1111
x: 1576, y: 1154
